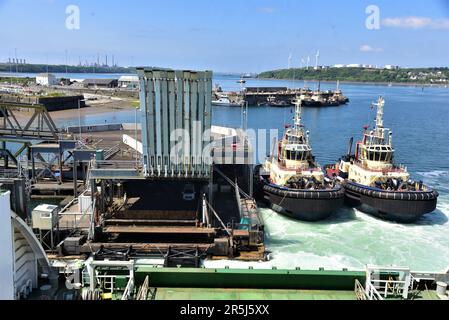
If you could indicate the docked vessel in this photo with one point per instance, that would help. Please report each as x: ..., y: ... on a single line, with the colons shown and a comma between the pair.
x: 224, y: 101
x: 293, y: 183
x: 320, y: 98
x: 375, y: 184
x: 274, y: 102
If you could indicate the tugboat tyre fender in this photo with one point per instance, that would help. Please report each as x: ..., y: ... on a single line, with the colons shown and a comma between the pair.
x: 394, y: 195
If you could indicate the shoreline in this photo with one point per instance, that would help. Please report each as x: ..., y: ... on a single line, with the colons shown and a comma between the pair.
x: 397, y: 84
x: 89, y: 110
x: 92, y: 109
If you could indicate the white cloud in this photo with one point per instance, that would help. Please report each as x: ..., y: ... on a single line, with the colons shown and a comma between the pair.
x: 368, y: 48
x: 416, y: 23
x: 266, y: 10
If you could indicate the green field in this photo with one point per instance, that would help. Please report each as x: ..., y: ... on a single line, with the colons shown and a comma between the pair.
x: 15, y: 80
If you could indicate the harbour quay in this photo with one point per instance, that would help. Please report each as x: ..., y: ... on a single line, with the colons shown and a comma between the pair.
x: 285, y: 97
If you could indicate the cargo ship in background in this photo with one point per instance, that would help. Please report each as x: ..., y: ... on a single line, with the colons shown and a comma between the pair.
x: 375, y: 184
x: 293, y: 182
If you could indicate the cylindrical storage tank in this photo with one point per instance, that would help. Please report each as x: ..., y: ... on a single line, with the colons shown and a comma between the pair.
x: 441, y: 288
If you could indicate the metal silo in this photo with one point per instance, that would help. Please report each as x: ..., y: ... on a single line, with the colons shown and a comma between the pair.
x: 175, y: 111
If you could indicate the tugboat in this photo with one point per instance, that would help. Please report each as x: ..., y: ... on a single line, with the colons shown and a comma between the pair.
x: 293, y: 182
x: 307, y: 101
x: 375, y: 184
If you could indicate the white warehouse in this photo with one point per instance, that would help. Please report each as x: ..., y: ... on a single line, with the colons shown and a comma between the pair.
x: 46, y: 79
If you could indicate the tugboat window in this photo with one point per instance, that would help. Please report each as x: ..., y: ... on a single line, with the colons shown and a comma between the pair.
x: 297, y: 155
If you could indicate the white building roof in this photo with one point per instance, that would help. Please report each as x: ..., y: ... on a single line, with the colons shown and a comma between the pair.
x: 129, y: 79
x: 354, y: 65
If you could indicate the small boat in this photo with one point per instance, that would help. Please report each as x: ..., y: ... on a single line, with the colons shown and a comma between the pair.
x: 307, y: 101
x: 279, y: 104
x: 293, y: 183
x: 331, y: 102
x: 225, y: 102
x: 375, y: 184
x: 338, y: 95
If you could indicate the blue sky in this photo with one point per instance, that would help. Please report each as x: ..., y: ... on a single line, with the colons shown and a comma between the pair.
x: 231, y: 35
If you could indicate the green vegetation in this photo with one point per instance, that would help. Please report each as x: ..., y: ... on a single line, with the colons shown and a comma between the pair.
x: 42, y: 68
x: 19, y: 81
x: 54, y: 94
x: 418, y: 75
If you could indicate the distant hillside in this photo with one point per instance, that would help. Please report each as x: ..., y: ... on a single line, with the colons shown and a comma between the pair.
x: 41, y: 68
x: 418, y: 75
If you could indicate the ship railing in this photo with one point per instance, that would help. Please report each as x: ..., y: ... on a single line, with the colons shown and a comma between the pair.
x: 282, y: 164
x: 143, y: 290
x: 77, y: 215
x: 385, y: 171
x: 372, y: 293
x: 412, y: 282
x: 109, y: 153
x: 82, y: 145
x: 115, y: 164
x: 359, y: 291
x: 105, y: 282
x: 127, y: 294
x: 390, y: 287
x: 9, y: 173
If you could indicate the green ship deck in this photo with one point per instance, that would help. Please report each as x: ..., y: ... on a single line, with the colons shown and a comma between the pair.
x: 249, y: 294
x: 250, y: 278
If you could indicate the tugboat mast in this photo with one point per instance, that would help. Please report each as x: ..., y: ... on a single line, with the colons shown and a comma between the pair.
x: 298, y: 109
x: 380, y: 114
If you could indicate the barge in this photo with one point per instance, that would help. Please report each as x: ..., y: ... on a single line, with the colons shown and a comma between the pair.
x: 285, y: 97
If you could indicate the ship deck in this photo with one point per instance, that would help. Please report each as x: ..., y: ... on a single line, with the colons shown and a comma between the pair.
x: 249, y: 294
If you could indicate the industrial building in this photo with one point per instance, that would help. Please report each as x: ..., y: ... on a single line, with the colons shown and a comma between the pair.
x: 46, y: 79
x: 100, y: 83
x: 128, y: 82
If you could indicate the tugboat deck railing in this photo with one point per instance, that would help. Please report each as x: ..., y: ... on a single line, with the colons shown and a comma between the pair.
x: 299, y: 171
x: 281, y: 165
x: 384, y: 171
